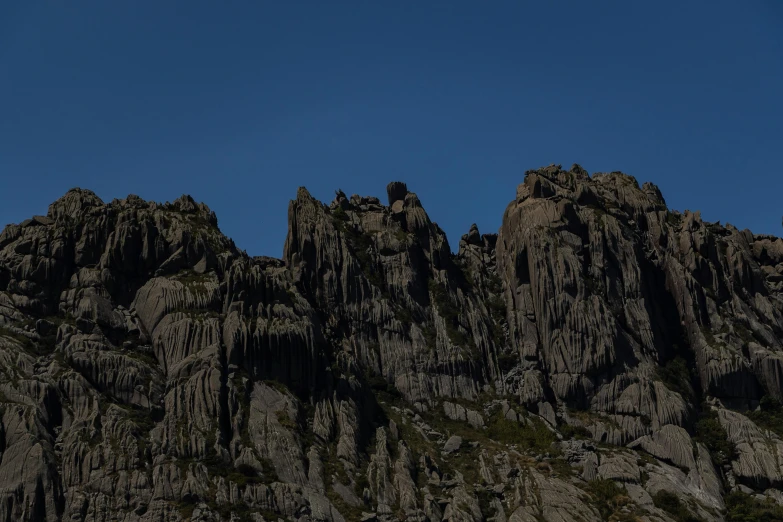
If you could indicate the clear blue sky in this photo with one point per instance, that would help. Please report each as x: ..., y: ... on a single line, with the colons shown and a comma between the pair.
x: 239, y: 103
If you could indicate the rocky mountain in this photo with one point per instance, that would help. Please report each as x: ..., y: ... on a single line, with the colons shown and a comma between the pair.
x: 599, y: 358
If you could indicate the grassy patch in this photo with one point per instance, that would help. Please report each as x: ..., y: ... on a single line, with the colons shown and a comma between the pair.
x: 27, y: 344
x: 536, y: 437
x: 145, y: 357
x: 191, y: 278
x: 240, y: 511
x: 644, y: 459
x: 197, y: 313
x: 333, y: 467
x: 589, y: 418
x: 348, y: 511
x: 140, y: 417
x: 277, y: 386
x: 561, y: 467
x: 286, y: 421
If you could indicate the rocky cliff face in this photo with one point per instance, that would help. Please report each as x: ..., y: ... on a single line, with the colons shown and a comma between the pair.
x: 600, y: 358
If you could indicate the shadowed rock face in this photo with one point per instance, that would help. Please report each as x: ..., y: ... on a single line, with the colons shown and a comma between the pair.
x: 596, y: 352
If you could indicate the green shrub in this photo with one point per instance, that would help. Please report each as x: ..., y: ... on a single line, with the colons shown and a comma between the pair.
x: 710, y: 433
x: 599, y: 212
x: 607, y: 496
x: 494, y: 284
x: 769, y: 415
x: 243, y: 475
x: 743, y: 333
x: 377, y: 382
x: 466, y: 279
x: 458, y: 338
x: 270, y: 473
x: 360, y: 244
x: 575, y: 432
x: 507, y: 361
x: 670, y: 502
x: 186, y: 507
x: 404, y: 316
x: 485, y: 498
x: 340, y: 215
x: 593, y: 285
x: 401, y: 235
x: 741, y: 507
x: 442, y: 300
x: 430, y: 336
x: 497, y: 307
x: 380, y: 385
x: 446, y: 309
x: 676, y: 375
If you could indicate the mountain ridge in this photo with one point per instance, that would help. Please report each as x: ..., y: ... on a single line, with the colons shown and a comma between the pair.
x: 600, y: 357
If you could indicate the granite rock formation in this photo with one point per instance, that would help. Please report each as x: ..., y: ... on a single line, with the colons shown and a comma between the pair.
x: 599, y: 358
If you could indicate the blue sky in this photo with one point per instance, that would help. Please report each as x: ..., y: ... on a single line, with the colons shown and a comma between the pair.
x: 239, y: 103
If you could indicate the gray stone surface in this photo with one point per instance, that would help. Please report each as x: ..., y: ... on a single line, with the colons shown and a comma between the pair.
x: 150, y: 370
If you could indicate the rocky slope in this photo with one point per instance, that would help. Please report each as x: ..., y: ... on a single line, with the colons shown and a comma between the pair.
x: 600, y: 358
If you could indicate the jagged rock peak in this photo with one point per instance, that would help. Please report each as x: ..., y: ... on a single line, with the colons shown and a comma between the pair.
x: 614, y: 189
x: 74, y: 204
x: 579, y: 171
x: 473, y: 237
x: 79, y: 203
x: 396, y: 191
x: 600, y: 358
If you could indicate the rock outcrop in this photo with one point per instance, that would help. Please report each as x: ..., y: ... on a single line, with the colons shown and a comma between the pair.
x: 599, y: 358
